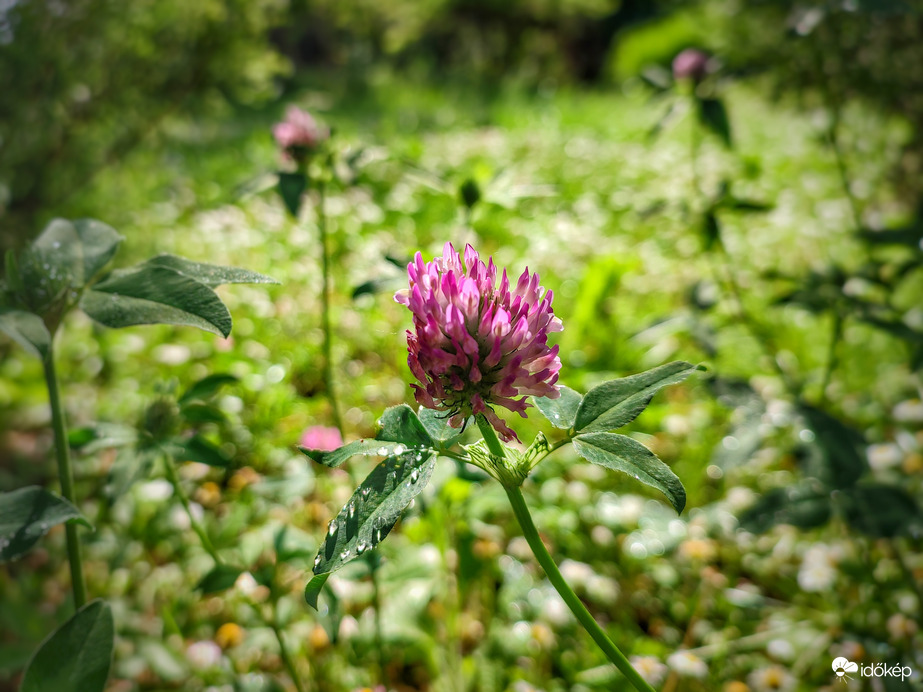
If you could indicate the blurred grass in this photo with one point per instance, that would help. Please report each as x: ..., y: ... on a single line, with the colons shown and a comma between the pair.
x: 573, y: 188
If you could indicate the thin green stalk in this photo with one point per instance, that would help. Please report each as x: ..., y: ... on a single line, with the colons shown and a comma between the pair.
x: 325, y: 308
x: 330, y: 386
x: 836, y: 332
x: 759, y: 334
x: 173, y: 477
x: 66, y: 475
x: 570, y: 598
x: 373, y: 562
x: 283, y: 651
x: 490, y: 437
x: 694, y: 154
x: 551, y: 569
x: 209, y: 547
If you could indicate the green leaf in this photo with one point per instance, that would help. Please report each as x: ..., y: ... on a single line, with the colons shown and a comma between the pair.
x: 197, y: 448
x: 745, y: 205
x: 806, y: 505
x: 150, y: 294
x: 313, y: 588
x: 13, y: 279
x: 711, y: 231
x: 202, y: 413
x: 292, y: 546
x: 92, y: 438
x: 380, y: 285
x: 337, y: 457
x: 618, y: 402
x: 400, y: 424
x: 26, y: 329
x: 713, y: 115
x: 221, y: 577
x: 437, y: 426
x: 130, y: 465
x: 209, y: 274
x: 77, y: 250
x: 630, y: 456
x: 842, y: 461
x: 911, y: 236
x: 374, y: 508
x: 291, y: 187
x: 27, y: 514
x: 469, y: 193
x: 880, y: 511
x: 562, y: 412
x: 76, y: 657
x: 207, y: 387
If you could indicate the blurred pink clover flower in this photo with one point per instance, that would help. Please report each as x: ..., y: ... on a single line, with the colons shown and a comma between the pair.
x: 299, y: 133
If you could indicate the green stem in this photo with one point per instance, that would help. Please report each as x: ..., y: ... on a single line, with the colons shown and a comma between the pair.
x: 694, y: 152
x: 325, y: 308
x: 373, y: 563
x: 570, y: 598
x: 66, y: 475
x: 173, y: 477
x: 836, y: 332
x: 490, y: 437
x: 283, y: 651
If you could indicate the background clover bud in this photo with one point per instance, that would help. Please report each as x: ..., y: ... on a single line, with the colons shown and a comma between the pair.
x: 691, y: 63
x: 299, y: 133
x: 478, y: 342
x: 322, y: 438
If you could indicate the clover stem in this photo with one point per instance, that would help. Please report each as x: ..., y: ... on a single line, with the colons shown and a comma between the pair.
x: 208, y: 546
x: 521, y: 510
x: 283, y: 651
x: 325, y: 307
x: 836, y: 332
x: 490, y: 437
x: 173, y: 477
x: 66, y: 475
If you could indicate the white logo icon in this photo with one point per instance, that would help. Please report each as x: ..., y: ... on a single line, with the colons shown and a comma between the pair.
x: 842, y: 666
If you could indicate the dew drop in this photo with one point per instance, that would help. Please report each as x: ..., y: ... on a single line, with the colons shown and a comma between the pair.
x: 351, y: 510
x: 400, y: 449
x: 382, y: 451
x: 344, y: 554
x: 317, y: 561
x: 332, y: 529
x: 415, y: 475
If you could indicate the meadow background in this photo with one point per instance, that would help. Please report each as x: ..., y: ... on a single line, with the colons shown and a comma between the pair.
x: 781, y: 247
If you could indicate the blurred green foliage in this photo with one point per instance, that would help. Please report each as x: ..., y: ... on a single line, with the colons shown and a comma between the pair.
x: 84, y: 82
x: 570, y: 184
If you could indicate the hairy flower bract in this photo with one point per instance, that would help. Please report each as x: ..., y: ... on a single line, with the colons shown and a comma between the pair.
x: 478, y: 342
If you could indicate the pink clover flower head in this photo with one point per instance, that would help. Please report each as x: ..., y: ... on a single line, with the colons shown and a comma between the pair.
x: 691, y: 63
x: 478, y: 341
x: 299, y: 133
x: 321, y: 438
